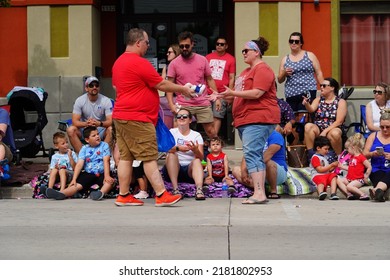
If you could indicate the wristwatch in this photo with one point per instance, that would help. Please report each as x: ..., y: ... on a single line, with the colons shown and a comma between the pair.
x: 177, y: 148
x: 101, y: 123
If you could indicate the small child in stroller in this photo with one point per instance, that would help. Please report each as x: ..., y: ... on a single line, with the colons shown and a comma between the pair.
x: 62, y: 163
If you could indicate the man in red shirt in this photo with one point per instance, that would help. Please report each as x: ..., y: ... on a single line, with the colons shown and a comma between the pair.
x: 223, y: 71
x: 135, y: 115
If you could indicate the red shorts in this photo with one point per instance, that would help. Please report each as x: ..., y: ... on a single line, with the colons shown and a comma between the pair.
x: 324, y: 179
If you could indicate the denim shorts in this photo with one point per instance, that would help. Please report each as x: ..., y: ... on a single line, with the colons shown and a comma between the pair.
x: 221, y: 113
x: 254, y: 137
x: 281, y: 176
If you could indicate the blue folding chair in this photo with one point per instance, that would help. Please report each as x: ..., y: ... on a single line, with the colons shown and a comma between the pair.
x: 359, y: 127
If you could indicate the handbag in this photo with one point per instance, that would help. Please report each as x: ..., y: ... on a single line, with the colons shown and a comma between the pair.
x: 165, y: 139
x: 297, y: 156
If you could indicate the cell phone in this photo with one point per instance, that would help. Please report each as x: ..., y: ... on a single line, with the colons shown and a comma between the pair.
x: 307, y: 94
x: 379, y: 150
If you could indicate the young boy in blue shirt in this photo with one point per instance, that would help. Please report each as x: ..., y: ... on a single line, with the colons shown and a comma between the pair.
x: 93, y: 167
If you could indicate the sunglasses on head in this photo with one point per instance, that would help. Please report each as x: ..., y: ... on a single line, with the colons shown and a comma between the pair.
x: 377, y: 92
x: 324, y: 85
x: 186, y: 46
x: 245, y: 51
x: 291, y: 41
x: 92, y: 85
x: 220, y: 44
x: 182, y: 116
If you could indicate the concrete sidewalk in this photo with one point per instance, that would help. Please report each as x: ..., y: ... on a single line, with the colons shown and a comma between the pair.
x: 235, y: 156
x: 219, y: 228
x: 25, y: 191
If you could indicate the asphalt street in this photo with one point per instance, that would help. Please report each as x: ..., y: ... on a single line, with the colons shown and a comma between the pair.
x: 220, y: 229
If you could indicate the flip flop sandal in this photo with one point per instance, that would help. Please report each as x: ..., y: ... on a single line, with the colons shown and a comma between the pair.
x: 199, y: 195
x: 174, y: 192
x: 273, y: 196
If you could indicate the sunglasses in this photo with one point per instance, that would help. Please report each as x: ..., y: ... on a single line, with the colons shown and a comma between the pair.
x: 377, y: 92
x: 384, y: 126
x: 181, y: 117
x: 186, y: 46
x: 245, y: 51
x: 220, y: 44
x: 169, y: 52
x: 291, y: 41
x: 93, y: 85
x: 324, y: 85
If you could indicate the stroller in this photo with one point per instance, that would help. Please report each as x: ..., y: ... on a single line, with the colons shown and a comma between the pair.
x: 28, y: 118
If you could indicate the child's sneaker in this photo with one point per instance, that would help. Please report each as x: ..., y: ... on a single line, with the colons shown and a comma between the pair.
x: 334, y: 196
x: 167, y: 199
x: 96, y: 195
x: 142, y: 195
x: 51, y: 193
x: 128, y: 200
x: 322, y: 196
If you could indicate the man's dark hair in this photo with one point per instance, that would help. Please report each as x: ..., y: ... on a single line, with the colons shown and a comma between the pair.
x: 185, y: 35
x: 88, y: 130
x: 321, y: 141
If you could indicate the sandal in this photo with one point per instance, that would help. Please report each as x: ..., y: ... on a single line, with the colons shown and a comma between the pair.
x: 175, y: 191
x: 273, y: 196
x: 199, y: 194
x: 364, y: 197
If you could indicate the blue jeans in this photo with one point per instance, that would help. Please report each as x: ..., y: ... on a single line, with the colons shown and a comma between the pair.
x: 254, y: 137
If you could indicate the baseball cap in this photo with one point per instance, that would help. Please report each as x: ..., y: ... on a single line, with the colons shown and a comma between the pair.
x: 90, y: 80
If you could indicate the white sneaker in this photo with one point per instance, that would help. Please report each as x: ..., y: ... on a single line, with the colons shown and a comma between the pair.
x: 141, y: 195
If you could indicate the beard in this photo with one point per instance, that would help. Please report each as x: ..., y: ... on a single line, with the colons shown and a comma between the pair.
x: 186, y: 53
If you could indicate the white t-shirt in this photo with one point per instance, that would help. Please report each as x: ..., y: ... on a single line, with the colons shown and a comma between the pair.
x: 185, y: 158
x: 376, y: 113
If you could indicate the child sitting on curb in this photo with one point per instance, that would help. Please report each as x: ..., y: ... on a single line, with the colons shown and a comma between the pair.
x: 62, y: 163
x: 359, y: 169
x: 218, y: 166
x: 92, y: 168
x: 321, y: 169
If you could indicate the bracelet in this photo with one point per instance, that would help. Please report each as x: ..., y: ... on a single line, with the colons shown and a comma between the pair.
x: 177, y: 148
x: 101, y: 123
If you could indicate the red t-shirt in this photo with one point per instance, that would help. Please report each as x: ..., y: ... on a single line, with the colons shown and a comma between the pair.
x: 218, y: 164
x: 221, y: 66
x: 356, y: 167
x: 134, y: 78
x: 262, y: 110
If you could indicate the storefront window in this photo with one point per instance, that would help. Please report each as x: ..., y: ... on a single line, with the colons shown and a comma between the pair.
x: 365, y: 40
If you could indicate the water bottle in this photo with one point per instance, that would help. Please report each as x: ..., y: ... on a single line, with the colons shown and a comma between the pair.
x: 302, y: 120
x: 224, y: 189
x: 198, y: 89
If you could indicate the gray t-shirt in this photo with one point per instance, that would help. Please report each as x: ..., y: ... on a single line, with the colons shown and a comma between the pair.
x: 98, y: 110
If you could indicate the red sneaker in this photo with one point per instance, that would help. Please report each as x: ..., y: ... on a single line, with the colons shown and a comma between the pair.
x: 167, y: 199
x: 128, y: 200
